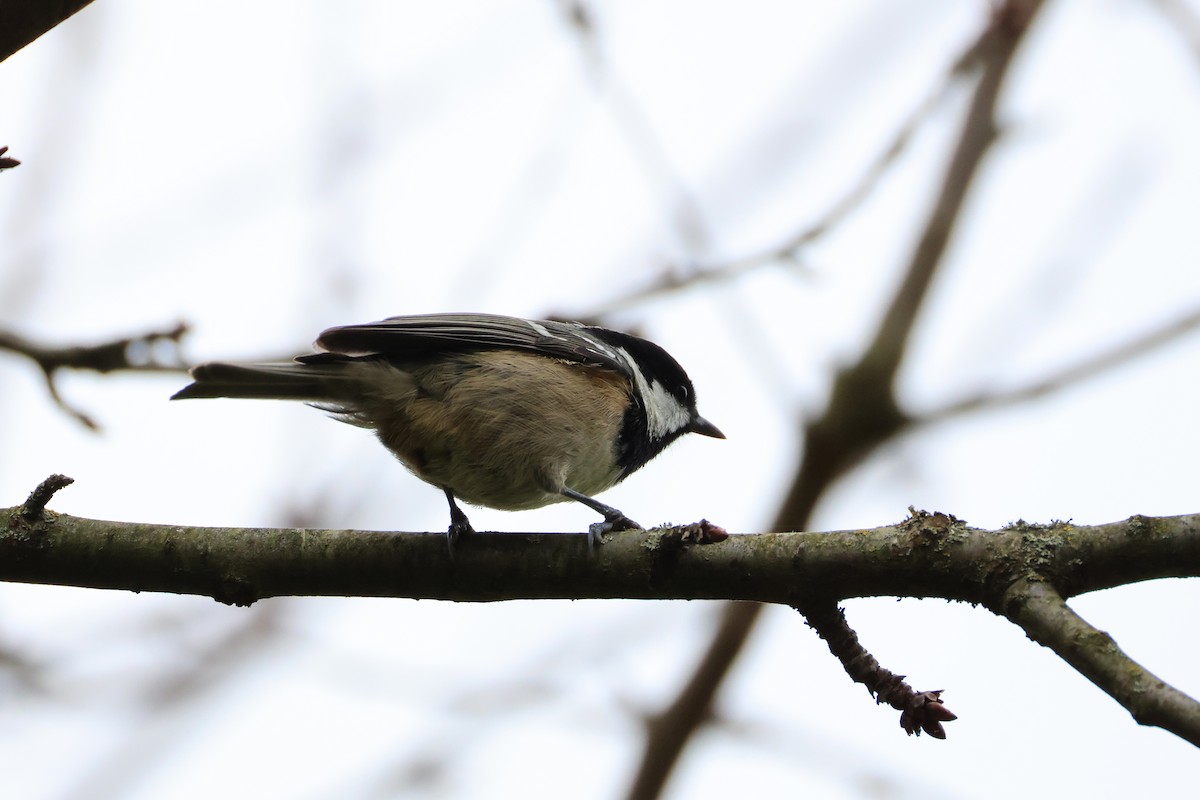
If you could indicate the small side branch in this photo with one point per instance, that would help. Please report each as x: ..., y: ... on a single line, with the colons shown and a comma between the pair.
x: 919, y: 711
x: 35, y: 506
x: 1102, y: 363
x: 1043, y: 613
x: 788, y: 253
x: 7, y: 162
x: 156, y: 351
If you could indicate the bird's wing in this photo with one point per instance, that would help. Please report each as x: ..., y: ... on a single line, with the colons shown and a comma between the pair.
x: 430, y: 334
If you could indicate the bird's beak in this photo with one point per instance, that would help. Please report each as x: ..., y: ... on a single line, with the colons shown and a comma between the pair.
x: 705, y: 428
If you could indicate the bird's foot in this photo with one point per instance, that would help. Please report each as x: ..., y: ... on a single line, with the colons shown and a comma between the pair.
x: 460, y: 526
x: 612, y: 523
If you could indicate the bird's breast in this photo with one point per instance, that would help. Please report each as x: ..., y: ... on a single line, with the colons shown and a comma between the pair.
x: 503, y: 429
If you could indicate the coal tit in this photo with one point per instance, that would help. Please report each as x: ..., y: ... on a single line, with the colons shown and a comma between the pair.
x: 495, y: 411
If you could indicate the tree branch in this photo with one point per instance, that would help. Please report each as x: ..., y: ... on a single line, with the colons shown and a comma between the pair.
x: 7, y: 161
x: 156, y: 351
x: 22, y: 21
x: 682, y: 276
x: 693, y: 706
x: 862, y: 413
x: 1098, y: 364
x: 919, y: 711
x: 1038, y: 608
x: 35, y: 506
x: 911, y: 559
x: 1021, y: 572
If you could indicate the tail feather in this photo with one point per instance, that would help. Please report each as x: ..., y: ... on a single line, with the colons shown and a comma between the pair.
x: 284, y: 381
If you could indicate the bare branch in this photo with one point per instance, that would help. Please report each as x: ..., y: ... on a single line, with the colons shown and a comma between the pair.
x: 919, y: 711
x: 996, y: 49
x: 22, y: 21
x: 644, y: 143
x: 862, y: 413
x: 1089, y: 368
x: 1021, y: 572
x: 788, y: 252
x: 242, y: 565
x: 693, y: 706
x: 1038, y: 608
x: 35, y: 506
x: 156, y: 351
x: 7, y: 162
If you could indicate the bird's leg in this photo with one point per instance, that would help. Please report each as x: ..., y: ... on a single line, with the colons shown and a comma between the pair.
x: 459, y: 524
x: 614, y: 519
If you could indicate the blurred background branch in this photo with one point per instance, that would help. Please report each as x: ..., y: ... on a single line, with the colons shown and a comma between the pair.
x: 156, y: 351
x: 862, y: 413
x: 22, y: 21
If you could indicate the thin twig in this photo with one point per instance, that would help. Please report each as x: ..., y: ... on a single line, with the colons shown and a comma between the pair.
x: 788, y: 252
x: 643, y: 141
x: 35, y: 506
x: 1094, y: 366
x: 919, y: 711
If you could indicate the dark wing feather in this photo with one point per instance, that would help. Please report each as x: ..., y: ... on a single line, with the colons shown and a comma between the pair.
x: 431, y: 334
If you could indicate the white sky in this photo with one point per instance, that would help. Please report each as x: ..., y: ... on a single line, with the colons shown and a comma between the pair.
x: 264, y: 172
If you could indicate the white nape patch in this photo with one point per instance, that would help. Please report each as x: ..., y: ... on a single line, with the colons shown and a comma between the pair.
x: 664, y: 413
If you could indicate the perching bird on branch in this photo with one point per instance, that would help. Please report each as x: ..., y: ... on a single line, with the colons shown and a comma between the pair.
x: 495, y: 411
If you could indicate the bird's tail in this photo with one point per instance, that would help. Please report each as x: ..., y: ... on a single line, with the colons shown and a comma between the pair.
x: 313, y: 382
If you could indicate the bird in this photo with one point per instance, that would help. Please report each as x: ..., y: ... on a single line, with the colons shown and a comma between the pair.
x: 496, y: 411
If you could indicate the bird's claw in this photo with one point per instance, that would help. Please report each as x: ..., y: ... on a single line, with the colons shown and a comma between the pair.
x: 459, y: 527
x: 612, y: 524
